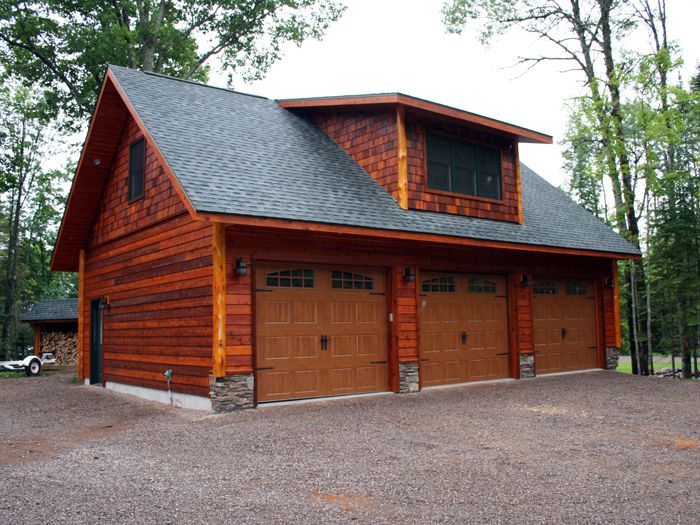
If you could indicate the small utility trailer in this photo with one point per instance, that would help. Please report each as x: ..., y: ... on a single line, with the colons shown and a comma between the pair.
x: 30, y: 365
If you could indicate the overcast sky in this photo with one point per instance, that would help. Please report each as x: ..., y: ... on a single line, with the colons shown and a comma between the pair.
x: 401, y: 45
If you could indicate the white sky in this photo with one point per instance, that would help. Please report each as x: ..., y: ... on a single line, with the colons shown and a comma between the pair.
x: 401, y: 45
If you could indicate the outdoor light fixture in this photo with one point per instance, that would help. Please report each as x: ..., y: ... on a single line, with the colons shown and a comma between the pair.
x: 610, y: 282
x: 97, y: 162
x: 525, y: 280
x: 241, y: 267
x: 409, y: 275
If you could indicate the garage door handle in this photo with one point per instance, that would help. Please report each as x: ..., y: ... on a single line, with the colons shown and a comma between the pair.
x: 265, y: 368
x: 324, y: 342
x: 377, y: 362
x: 424, y: 360
x: 465, y: 335
x: 563, y: 333
x: 503, y: 353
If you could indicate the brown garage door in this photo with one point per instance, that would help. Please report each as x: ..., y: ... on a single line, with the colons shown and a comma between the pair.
x: 319, y: 331
x: 463, y: 328
x: 564, y: 322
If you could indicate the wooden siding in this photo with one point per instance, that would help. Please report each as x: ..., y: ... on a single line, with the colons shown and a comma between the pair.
x: 239, y: 311
x: 422, y: 198
x: 371, y: 138
x: 406, y: 316
x: 116, y: 216
x: 153, y: 264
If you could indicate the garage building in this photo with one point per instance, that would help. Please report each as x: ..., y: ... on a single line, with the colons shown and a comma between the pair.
x: 269, y: 250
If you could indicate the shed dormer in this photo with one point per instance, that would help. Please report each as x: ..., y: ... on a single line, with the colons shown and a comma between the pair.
x: 426, y: 155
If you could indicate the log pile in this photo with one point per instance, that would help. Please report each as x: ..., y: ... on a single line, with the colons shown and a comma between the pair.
x: 63, y: 345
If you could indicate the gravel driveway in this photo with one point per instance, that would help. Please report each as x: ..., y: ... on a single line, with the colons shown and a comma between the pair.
x: 597, y: 447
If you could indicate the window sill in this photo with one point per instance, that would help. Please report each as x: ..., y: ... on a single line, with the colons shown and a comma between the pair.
x: 465, y: 196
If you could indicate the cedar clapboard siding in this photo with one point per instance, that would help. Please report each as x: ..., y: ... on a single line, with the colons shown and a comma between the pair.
x: 406, y: 316
x: 239, y: 312
x: 371, y: 139
x: 153, y: 263
x: 423, y: 198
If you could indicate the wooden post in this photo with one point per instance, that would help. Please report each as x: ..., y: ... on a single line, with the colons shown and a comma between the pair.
x: 81, y: 315
x: 219, y: 300
x: 518, y: 181
x: 616, y: 305
x: 37, y: 339
x: 403, y: 158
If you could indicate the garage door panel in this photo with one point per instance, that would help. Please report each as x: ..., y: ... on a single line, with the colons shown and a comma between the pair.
x: 304, y: 312
x: 564, y: 325
x: 348, y: 308
x: 464, y: 328
x: 306, y: 347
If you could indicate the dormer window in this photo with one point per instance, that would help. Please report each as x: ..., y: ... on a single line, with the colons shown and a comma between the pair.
x: 463, y: 167
x: 137, y: 158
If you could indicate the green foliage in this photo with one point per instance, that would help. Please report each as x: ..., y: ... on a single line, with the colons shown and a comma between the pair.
x: 30, y: 211
x: 66, y: 44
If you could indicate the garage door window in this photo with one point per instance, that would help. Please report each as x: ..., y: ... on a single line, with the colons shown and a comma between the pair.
x: 351, y: 281
x: 576, y: 288
x: 297, y: 278
x: 477, y: 285
x: 445, y: 284
x: 545, y: 288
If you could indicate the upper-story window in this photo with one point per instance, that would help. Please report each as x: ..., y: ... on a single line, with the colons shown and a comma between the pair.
x: 137, y: 161
x: 463, y: 167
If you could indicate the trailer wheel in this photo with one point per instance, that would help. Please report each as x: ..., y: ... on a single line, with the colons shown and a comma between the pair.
x: 33, y: 368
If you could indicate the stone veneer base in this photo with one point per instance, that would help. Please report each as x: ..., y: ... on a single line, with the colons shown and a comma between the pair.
x: 409, y: 380
x: 230, y: 393
x: 527, y: 366
x: 612, y: 356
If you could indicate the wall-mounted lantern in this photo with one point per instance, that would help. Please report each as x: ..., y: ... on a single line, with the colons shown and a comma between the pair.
x: 609, y: 282
x: 241, y: 267
x: 525, y: 280
x: 409, y: 275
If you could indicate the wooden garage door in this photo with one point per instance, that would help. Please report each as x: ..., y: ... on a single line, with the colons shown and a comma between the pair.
x: 320, y: 331
x: 563, y: 314
x: 463, y: 328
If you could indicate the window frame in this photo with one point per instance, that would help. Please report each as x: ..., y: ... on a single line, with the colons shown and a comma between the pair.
x: 453, y: 138
x: 140, y: 195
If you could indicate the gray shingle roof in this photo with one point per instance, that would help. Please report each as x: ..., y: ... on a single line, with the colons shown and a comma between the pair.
x: 241, y: 154
x: 53, y: 310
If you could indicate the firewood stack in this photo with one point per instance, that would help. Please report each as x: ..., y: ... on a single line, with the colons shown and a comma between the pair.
x: 64, y: 346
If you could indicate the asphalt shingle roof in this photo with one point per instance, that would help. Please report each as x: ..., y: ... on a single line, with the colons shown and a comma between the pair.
x: 53, y: 310
x: 241, y: 154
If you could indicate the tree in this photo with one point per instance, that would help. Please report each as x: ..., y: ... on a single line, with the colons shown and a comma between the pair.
x: 586, y: 34
x: 66, y: 44
x: 30, y: 205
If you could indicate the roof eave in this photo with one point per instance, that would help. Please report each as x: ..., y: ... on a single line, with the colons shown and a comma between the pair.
x: 413, y: 103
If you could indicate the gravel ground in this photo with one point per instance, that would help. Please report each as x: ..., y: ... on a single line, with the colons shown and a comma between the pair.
x: 596, y: 447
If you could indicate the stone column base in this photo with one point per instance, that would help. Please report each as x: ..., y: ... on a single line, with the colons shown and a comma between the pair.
x: 408, y: 378
x: 527, y: 366
x: 230, y: 393
x: 612, y: 356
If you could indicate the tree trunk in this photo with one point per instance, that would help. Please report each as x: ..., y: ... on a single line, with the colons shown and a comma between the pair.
x: 9, y: 321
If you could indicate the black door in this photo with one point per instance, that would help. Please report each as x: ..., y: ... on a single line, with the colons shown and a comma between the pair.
x: 96, y: 342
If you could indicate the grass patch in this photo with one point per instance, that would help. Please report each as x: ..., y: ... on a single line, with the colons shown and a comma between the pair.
x: 4, y: 374
x: 626, y: 367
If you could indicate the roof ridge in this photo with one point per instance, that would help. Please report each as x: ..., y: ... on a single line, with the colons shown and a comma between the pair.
x: 187, y: 81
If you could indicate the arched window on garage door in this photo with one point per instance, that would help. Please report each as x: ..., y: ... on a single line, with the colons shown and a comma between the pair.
x: 442, y: 284
x: 296, y: 278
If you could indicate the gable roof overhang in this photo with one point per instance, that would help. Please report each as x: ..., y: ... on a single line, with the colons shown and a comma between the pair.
x: 417, y: 105
x: 109, y: 117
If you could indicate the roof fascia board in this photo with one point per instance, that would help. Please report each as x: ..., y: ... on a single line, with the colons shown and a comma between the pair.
x: 297, y: 225
x: 83, y: 154
x: 523, y: 134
